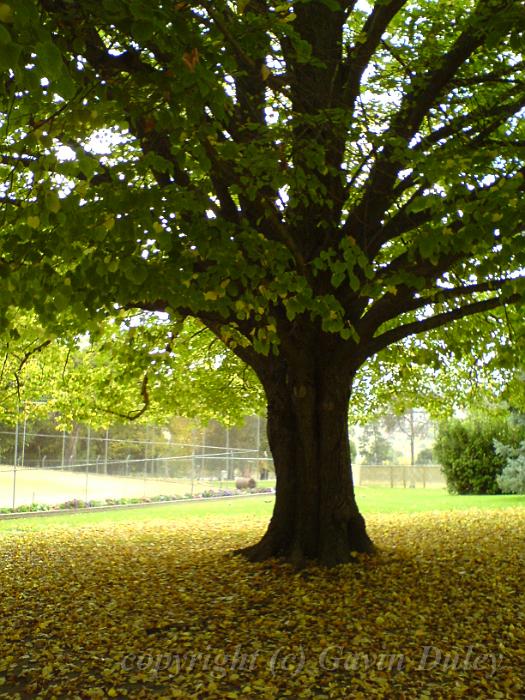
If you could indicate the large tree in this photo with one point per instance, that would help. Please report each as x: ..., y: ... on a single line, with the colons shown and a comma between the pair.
x: 315, y: 181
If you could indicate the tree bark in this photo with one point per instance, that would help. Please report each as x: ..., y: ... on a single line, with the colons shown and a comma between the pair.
x: 315, y: 517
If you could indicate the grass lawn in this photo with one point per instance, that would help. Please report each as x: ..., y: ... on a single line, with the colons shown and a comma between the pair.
x: 386, y: 500
x: 151, y: 603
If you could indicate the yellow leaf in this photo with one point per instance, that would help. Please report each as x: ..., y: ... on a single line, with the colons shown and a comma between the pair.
x: 47, y: 671
x: 33, y: 221
x: 6, y: 13
x: 265, y: 72
x: 82, y: 188
x: 53, y: 202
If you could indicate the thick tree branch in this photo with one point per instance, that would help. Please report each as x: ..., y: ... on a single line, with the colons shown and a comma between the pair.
x: 259, y: 363
x: 374, y: 28
x: 503, y: 76
x: 485, y: 119
x: 404, y: 220
x: 411, y: 261
x: 208, y: 318
x: 392, y: 305
x: 442, y: 319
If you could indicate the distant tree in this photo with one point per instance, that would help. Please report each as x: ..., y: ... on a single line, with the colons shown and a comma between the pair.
x: 374, y: 447
x: 415, y: 425
x: 425, y: 456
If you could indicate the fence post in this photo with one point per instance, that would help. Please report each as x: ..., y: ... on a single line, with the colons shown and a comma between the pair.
x: 424, y: 476
x: 192, y: 470
x: 106, y: 446
x: 203, y: 453
x: 258, y: 438
x: 87, y: 477
x: 98, y: 463
x: 15, y: 461
x: 229, y: 466
x: 24, y: 441
x: 88, y: 444
x: 391, y: 476
x: 63, y: 459
x: 128, y: 457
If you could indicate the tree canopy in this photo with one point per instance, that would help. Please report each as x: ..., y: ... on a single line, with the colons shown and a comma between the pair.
x: 359, y: 163
x: 127, y: 370
x: 314, y: 181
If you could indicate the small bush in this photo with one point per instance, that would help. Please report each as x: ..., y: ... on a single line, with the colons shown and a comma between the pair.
x: 466, y: 452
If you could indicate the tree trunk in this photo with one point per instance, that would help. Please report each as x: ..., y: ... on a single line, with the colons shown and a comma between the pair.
x: 315, y: 517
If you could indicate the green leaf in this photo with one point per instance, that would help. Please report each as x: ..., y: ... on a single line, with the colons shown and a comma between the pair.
x: 9, y: 55
x: 5, y: 36
x: 65, y: 85
x: 50, y: 59
x: 143, y: 30
x: 87, y: 164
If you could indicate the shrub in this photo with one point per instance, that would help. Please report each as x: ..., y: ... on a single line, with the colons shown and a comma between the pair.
x: 512, y: 478
x: 466, y: 452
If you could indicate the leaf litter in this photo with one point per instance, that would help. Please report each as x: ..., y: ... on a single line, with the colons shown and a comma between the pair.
x: 165, y: 610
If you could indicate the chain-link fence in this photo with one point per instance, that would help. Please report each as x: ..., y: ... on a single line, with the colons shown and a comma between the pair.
x: 56, y: 468
x: 53, y: 468
x: 400, y: 475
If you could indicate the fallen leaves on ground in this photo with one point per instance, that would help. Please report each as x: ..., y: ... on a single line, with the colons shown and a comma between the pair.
x: 164, y: 610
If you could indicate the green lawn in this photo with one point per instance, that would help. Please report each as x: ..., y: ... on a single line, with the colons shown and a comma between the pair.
x: 378, y: 499
x: 372, y: 500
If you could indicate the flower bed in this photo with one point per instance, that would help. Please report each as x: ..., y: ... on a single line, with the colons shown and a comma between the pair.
x: 75, y: 504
